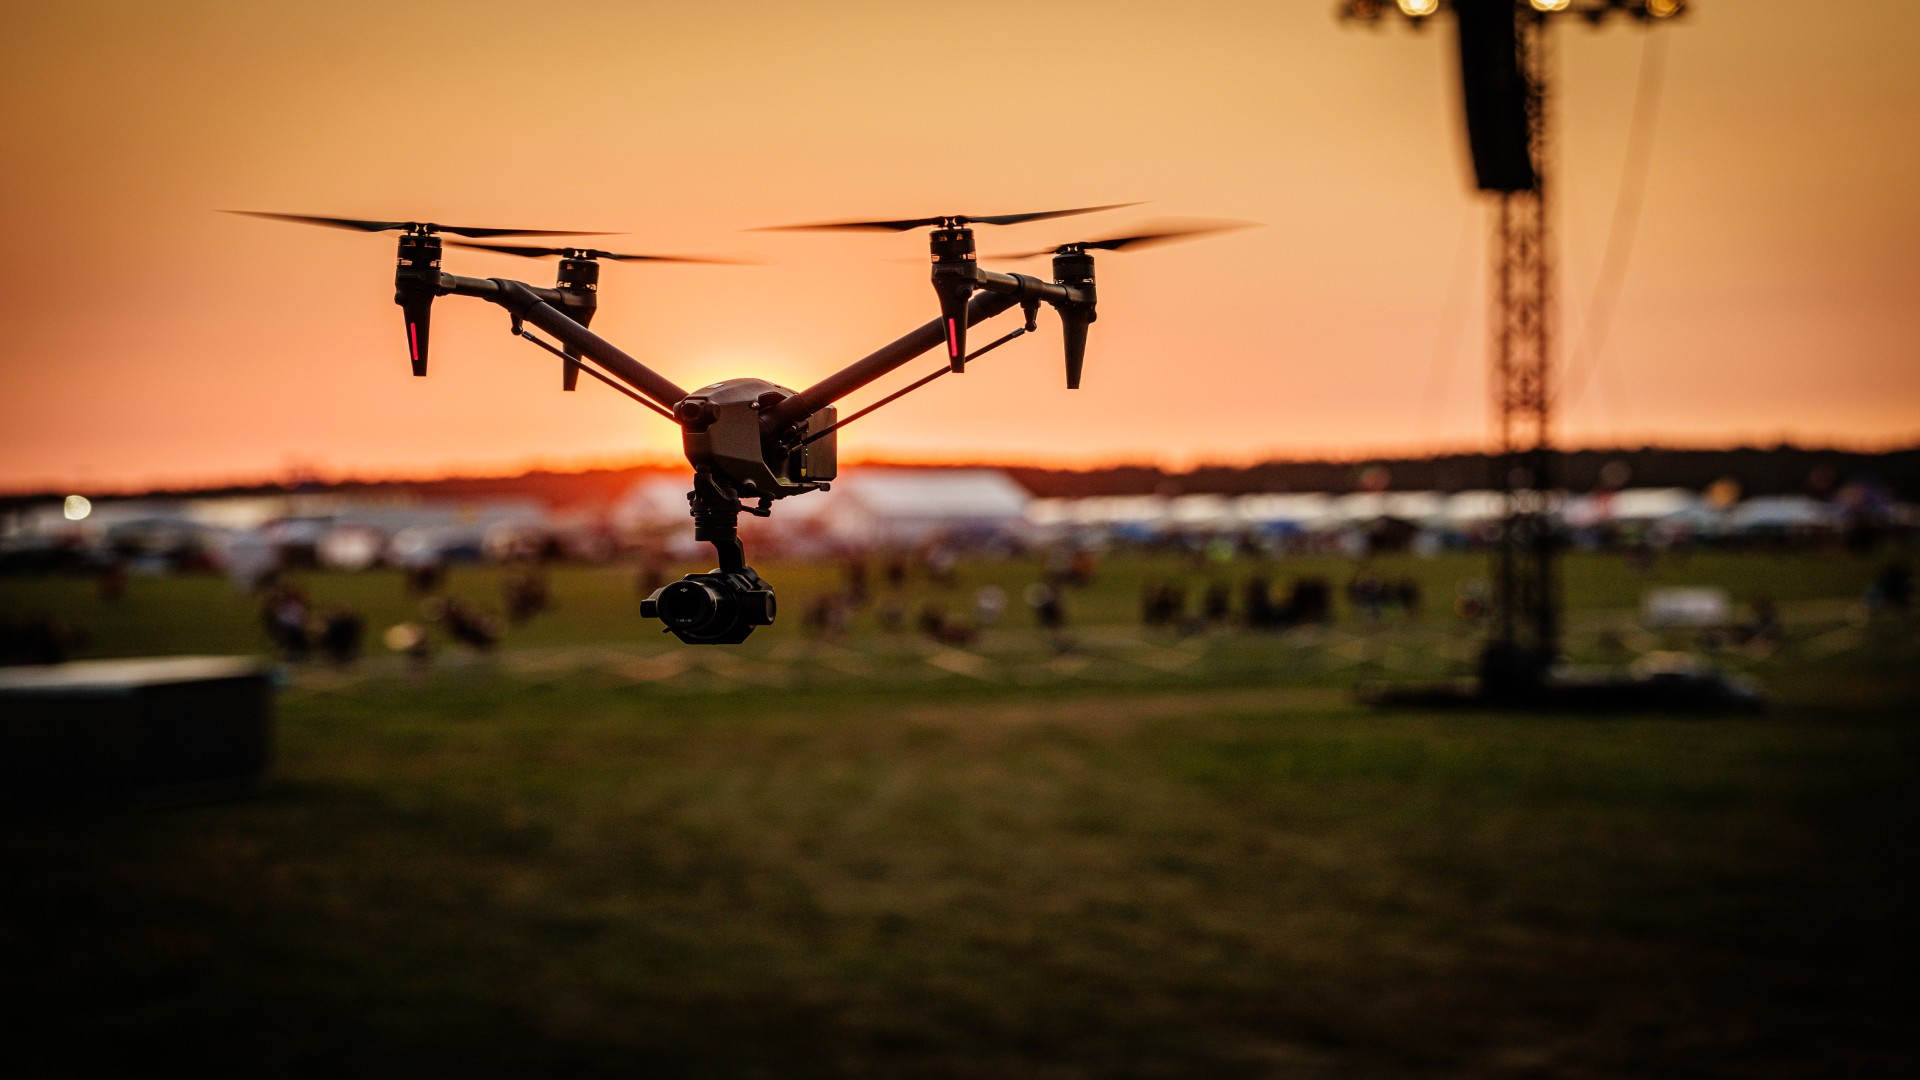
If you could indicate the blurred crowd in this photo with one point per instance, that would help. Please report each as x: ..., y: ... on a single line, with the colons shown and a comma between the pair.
x: 298, y: 630
x: 1207, y: 584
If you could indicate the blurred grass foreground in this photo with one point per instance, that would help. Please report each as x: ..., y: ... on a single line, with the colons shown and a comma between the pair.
x: 1096, y: 849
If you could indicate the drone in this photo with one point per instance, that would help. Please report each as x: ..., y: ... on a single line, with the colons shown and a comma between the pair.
x: 751, y: 442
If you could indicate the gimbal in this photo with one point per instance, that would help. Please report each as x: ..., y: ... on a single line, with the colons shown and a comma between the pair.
x: 747, y: 439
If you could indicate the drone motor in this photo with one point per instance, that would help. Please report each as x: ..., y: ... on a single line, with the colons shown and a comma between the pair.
x: 416, y: 281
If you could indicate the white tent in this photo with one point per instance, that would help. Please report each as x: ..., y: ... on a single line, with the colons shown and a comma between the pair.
x: 1468, y: 509
x: 429, y: 533
x: 1132, y: 511
x: 656, y: 503
x: 1137, y: 515
x: 1781, y: 512
x: 902, y: 507
x: 1655, y: 504
x: 1204, y: 513
x: 1686, y: 606
x: 1299, y: 511
x: 1050, y: 513
x: 1414, y: 506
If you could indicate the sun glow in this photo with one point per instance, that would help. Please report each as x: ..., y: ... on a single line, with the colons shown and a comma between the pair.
x: 695, y: 372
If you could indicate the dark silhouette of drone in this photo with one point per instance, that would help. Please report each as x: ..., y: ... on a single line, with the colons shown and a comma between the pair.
x: 749, y: 439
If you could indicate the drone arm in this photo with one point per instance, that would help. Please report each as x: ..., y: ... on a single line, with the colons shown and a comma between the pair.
x: 491, y: 290
x: 878, y: 363
x: 1025, y: 288
x: 537, y: 306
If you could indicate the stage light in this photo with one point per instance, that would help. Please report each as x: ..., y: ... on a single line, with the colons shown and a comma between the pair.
x: 1551, y: 5
x: 1417, y: 9
x: 77, y: 508
x: 1665, y: 9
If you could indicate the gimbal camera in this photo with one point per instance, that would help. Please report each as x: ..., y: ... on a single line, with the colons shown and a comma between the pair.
x: 748, y: 440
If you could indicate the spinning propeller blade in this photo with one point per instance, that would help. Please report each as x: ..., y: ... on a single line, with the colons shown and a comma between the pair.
x: 531, y: 252
x: 1162, y: 232
x: 410, y: 226
x: 949, y: 220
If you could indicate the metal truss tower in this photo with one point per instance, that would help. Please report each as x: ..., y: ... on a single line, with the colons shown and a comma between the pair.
x: 1526, y: 590
x: 1524, y: 639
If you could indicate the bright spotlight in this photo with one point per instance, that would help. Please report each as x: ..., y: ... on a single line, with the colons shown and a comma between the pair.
x: 77, y: 508
x: 1418, y: 8
x: 1551, y: 5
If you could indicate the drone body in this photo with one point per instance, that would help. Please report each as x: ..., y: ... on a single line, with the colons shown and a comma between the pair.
x: 748, y: 439
x: 723, y: 431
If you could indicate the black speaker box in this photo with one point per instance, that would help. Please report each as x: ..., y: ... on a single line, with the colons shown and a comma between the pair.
x: 1499, y: 132
x: 174, y: 727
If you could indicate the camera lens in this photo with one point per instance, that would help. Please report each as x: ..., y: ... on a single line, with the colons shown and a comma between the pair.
x: 688, y: 605
x: 756, y: 607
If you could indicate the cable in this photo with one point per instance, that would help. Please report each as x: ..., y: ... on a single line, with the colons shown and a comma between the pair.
x: 1626, y: 217
x: 1446, y: 343
x: 581, y: 363
x: 912, y: 386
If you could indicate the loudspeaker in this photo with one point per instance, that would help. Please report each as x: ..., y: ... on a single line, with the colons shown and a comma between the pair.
x: 187, y: 726
x: 1494, y: 90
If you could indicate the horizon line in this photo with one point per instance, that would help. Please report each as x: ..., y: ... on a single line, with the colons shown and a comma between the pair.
x: 300, y: 474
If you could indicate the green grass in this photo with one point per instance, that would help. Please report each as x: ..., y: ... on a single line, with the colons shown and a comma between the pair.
x: 1223, y: 869
x: 593, y: 605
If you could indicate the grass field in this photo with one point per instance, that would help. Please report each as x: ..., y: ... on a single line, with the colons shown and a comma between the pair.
x: 599, y: 852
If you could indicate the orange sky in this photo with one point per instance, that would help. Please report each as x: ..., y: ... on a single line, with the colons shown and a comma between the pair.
x: 148, y: 339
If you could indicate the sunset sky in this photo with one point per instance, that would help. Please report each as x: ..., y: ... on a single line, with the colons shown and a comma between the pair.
x: 1773, y: 289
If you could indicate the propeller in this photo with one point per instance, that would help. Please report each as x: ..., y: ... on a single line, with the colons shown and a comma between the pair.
x: 530, y: 252
x: 953, y: 263
x: 416, y: 277
x: 1166, y: 231
x: 948, y: 221
x: 410, y: 226
x: 1073, y: 264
